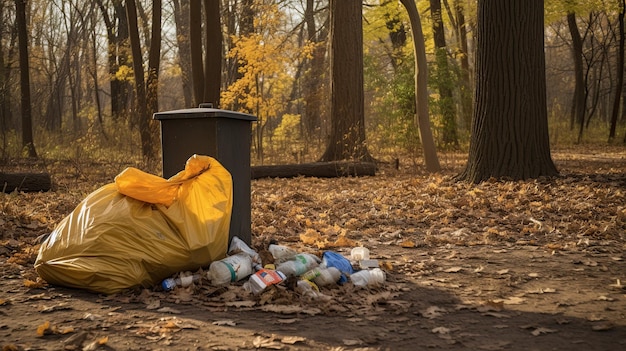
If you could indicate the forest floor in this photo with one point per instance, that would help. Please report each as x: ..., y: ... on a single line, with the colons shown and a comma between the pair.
x: 529, y: 265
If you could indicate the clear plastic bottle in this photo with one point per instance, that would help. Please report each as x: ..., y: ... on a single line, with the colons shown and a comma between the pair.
x: 368, y: 277
x: 230, y: 269
x: 323, y: 276
x: 308, y: 289
x: 183, y: 281
x: 237, y: 245
x: 300, y: 264
x: 281, y: 253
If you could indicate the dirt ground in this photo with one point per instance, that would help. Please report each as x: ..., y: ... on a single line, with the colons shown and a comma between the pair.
x: 533, y: 265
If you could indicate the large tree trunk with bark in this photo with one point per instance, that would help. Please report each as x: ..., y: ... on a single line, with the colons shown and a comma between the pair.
x: 347, y: 110
x: 510, y: 129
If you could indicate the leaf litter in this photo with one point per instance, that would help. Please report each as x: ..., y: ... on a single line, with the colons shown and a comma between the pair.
x: 497, y: 250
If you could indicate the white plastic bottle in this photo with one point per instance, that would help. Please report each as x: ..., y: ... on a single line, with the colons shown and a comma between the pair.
x: 230, y: 269
x: 323, y: 276
x: 183, y: 281
x: 368, y: 277
x: 300, y: 264
x: 281, y: 253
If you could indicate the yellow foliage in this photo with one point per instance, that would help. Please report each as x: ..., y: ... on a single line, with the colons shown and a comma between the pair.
x: 124, y: 73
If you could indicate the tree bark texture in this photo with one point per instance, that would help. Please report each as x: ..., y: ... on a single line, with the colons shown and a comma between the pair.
x: 347, y: 110
x: 619, y: 73
x: 579, y: 100
x: 142, y: 116
x: 27, y: 121
x: 26, y: 182
x: 195, y: 41
x: 316, y: 169
x: 444, y: 79
x: 421, y: 88
x: 213, y: 61
x: 510, y: 129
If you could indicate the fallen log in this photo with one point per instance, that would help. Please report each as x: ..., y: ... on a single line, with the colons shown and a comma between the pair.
x: 27, y: 182
x: 315, y: 169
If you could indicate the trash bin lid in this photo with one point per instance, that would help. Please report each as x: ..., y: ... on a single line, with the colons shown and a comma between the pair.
x: 202, y: 112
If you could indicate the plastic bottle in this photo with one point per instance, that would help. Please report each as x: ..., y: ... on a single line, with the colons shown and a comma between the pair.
x: 360, y: 253
x: 299, y: 265
x: 308, y: 289
x: 281, y: 253
x: 323, y: 276
x: 183, y: 281
x: 368, y: 277
x: 237, y: 245
x: 230, y: 269
x: 263, y: 278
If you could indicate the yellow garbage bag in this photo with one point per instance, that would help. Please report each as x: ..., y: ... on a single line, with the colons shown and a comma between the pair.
x: 141, y: 229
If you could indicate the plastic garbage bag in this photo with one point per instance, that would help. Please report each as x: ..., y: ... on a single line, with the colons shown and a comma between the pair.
x: 141, y: 229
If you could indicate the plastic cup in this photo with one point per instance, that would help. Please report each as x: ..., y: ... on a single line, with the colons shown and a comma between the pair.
x: 360, y: 253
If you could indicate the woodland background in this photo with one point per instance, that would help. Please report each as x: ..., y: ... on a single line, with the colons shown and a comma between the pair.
x: 84, y: 103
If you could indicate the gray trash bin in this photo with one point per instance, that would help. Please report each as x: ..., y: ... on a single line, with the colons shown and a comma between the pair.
x: 222, y: 134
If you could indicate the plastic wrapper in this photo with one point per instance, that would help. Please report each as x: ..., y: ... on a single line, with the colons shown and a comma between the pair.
x: 141, y: 229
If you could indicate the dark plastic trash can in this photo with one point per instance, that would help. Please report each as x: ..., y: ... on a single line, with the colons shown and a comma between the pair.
x: 222, y: 134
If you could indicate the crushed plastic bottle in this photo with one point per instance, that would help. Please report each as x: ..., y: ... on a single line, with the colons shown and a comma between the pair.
x: 308, y: 289
x: 263, y: 278
x: 230, y: 269
x: 298, y: 265
x: 323, y: 276
x: 239, y: 246
x: 170, y: 284
x: 281, y: 253
x: 368, y: 278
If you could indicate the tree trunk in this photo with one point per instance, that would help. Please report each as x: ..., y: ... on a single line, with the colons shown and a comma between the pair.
x: 510, y: 130
x: 181, y: 18
x: 421, y: 88
x: 444, y: 78
x: 4, y: 92
x: 465, y: 86
x: 619, y: 72
x: 27, y: 121
x: 347, y: 110
x: 579, y: 101
x: 152, y: 82
x: 117, y: 42
x: 312, y: 83
x: 140, y: 87
x: 195, y: 41
x: 213, y: 57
